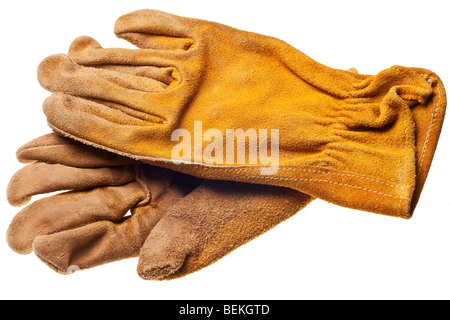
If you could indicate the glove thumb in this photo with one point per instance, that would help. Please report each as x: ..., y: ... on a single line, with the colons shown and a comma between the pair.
x: 166, y: 248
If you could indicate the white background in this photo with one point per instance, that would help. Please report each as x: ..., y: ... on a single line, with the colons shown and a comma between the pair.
x: 324, y: 252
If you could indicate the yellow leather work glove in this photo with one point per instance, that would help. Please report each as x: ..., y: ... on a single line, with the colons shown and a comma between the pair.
x: 178, y: 223
x: 346, y: 138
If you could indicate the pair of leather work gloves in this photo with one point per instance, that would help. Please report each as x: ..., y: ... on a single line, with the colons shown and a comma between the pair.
x: 361, y: 141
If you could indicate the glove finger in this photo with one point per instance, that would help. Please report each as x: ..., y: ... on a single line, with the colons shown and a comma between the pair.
x: 58, y: 73
x: 164, y: 75
x: 166, y: 248
x: 87, y: 51
x: 212, y: 221
x: 40, y: 178
x: 70, y: 115
x: 71, y: 210
x: 96, y: 243
x: 155, y: 29
x: 53, y: 148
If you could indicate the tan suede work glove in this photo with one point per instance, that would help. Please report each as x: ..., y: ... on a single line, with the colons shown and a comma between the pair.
x: 347, y: 138
x: 178, y: 223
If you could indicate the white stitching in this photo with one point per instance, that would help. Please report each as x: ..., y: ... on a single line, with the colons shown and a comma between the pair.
x: 433, y: 119
x: 328, y: 181
x: 325, y: 171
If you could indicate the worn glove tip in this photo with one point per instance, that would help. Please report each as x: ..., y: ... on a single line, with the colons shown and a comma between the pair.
x: 157, y: 272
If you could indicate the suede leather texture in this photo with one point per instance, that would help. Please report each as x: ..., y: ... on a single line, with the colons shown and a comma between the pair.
x: 177, y: 225
x: 361, y: 141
